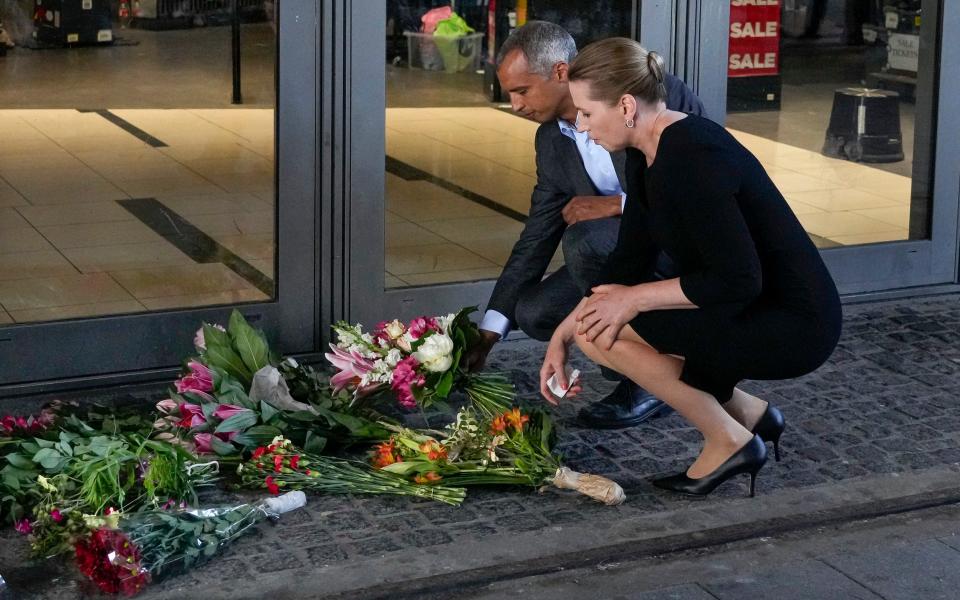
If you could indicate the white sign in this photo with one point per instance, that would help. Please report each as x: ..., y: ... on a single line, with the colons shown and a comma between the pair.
x: 754, y: 2
x: 903, y: 52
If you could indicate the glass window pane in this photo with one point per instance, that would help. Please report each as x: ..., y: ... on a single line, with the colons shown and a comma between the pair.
x: 129, y: 180
x: 836, y: 99
x: 460, y: 164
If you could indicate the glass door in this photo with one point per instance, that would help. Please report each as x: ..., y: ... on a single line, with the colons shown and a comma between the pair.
x: 157, y: 169
x: 849, y: 106
x: 442, y: 170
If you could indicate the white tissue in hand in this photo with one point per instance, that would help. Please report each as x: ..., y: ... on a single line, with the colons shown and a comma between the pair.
x: 572, y: 376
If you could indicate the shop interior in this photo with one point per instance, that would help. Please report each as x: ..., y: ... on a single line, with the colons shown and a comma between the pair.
x: 132, y: 179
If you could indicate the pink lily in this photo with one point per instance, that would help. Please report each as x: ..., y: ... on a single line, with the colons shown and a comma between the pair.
x: 192, y: 415
x: 199, y: 380
x: 225, y: 411
x: 353, y: 366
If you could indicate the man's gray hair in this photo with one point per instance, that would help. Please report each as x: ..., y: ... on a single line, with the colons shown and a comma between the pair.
x: 543, y: 44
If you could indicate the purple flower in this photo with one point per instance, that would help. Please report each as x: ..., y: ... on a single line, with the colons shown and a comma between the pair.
x: 56, y: 515
x: 23, y: 527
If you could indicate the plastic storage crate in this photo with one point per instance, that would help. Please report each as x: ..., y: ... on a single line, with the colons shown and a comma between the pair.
x: 442, y: 53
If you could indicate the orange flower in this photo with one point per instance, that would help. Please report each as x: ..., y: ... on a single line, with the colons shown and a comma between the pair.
x: 498, y: 425
x: 516, y: 419
x: 434, y: 450
x: 384, y: 454
x: 428, y: 477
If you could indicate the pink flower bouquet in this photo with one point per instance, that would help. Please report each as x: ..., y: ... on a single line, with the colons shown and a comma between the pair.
x: 420, y: 362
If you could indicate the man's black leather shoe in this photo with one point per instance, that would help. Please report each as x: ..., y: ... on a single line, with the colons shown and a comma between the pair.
x: 628, y: 405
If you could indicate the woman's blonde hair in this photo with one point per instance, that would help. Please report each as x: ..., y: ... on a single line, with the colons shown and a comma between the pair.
x: 615, y: 67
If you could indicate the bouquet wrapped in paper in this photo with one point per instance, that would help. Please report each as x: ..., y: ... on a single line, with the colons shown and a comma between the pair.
x: 125, y: 555
x: 511, y: 447
x: 420, y: 362
x: 282, y: 466
x: 236, y: 395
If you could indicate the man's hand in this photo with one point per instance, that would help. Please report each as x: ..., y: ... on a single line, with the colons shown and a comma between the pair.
x: 478, y: 356
x: 587, y: 208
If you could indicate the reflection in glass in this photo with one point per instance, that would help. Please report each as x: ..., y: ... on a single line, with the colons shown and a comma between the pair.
x: 837, y: 102
x: 460, y: 166
x: 129, y: 182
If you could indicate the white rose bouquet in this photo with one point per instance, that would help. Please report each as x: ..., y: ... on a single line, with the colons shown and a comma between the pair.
x: 420, y: 362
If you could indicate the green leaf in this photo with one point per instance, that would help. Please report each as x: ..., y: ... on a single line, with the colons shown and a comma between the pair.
x: 46, y: 454
x: 314, y: 443
x: 404, y: 468
x: 248, y: 342
x: 240, y: 421
x: 214, y: 337
x: 20, y: 462
x: 260, y: 435
x: 225, y: 358
x: 11, y: 482
x: 445, y: 385
x: 221, y: 447
x: 267, y: 411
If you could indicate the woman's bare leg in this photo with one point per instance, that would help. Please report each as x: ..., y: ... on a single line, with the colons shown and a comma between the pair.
x: 745, y: 408
x: 660, y: 375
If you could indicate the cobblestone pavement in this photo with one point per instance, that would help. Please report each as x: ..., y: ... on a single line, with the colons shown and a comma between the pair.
x: 886, y: 402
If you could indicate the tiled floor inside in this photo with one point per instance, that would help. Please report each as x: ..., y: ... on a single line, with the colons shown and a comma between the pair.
x: 433, y: 235
x: 68, y: 248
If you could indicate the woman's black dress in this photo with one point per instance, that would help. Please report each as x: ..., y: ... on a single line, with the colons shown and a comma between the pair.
x: 767, y: 306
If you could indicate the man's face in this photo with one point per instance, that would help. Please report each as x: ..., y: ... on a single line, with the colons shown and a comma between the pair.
x: 536, y: 97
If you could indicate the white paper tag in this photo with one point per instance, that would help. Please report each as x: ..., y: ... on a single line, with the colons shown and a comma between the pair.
x: 87, y: 5
x: 892, y: 20
x: 573, y: 375
x: 105, y: 35
x: 73, y: 38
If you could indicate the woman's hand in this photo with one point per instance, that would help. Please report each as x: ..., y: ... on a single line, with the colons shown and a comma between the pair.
x: 555, y: 361
x: 606, y: 312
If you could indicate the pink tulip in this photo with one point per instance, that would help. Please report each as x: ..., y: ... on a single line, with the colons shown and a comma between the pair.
x: 192, y: 415
x: 225, y: 411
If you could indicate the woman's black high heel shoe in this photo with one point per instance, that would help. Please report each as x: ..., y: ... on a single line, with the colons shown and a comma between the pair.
x: 770, y: 428
x: 749, y: 459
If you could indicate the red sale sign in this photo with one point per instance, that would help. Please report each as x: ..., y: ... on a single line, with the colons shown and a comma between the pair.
x: 754, y: 38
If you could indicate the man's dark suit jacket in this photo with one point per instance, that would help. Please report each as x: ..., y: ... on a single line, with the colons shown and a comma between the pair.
x: 560, y: 176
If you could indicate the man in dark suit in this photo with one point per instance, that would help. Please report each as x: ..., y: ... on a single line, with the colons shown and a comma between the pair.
x: 577, y: 202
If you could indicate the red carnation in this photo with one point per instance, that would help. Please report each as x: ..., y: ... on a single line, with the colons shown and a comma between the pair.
x: 271, y: 486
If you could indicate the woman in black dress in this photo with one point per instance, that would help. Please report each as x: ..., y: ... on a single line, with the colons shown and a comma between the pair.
x: 753, y: 299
